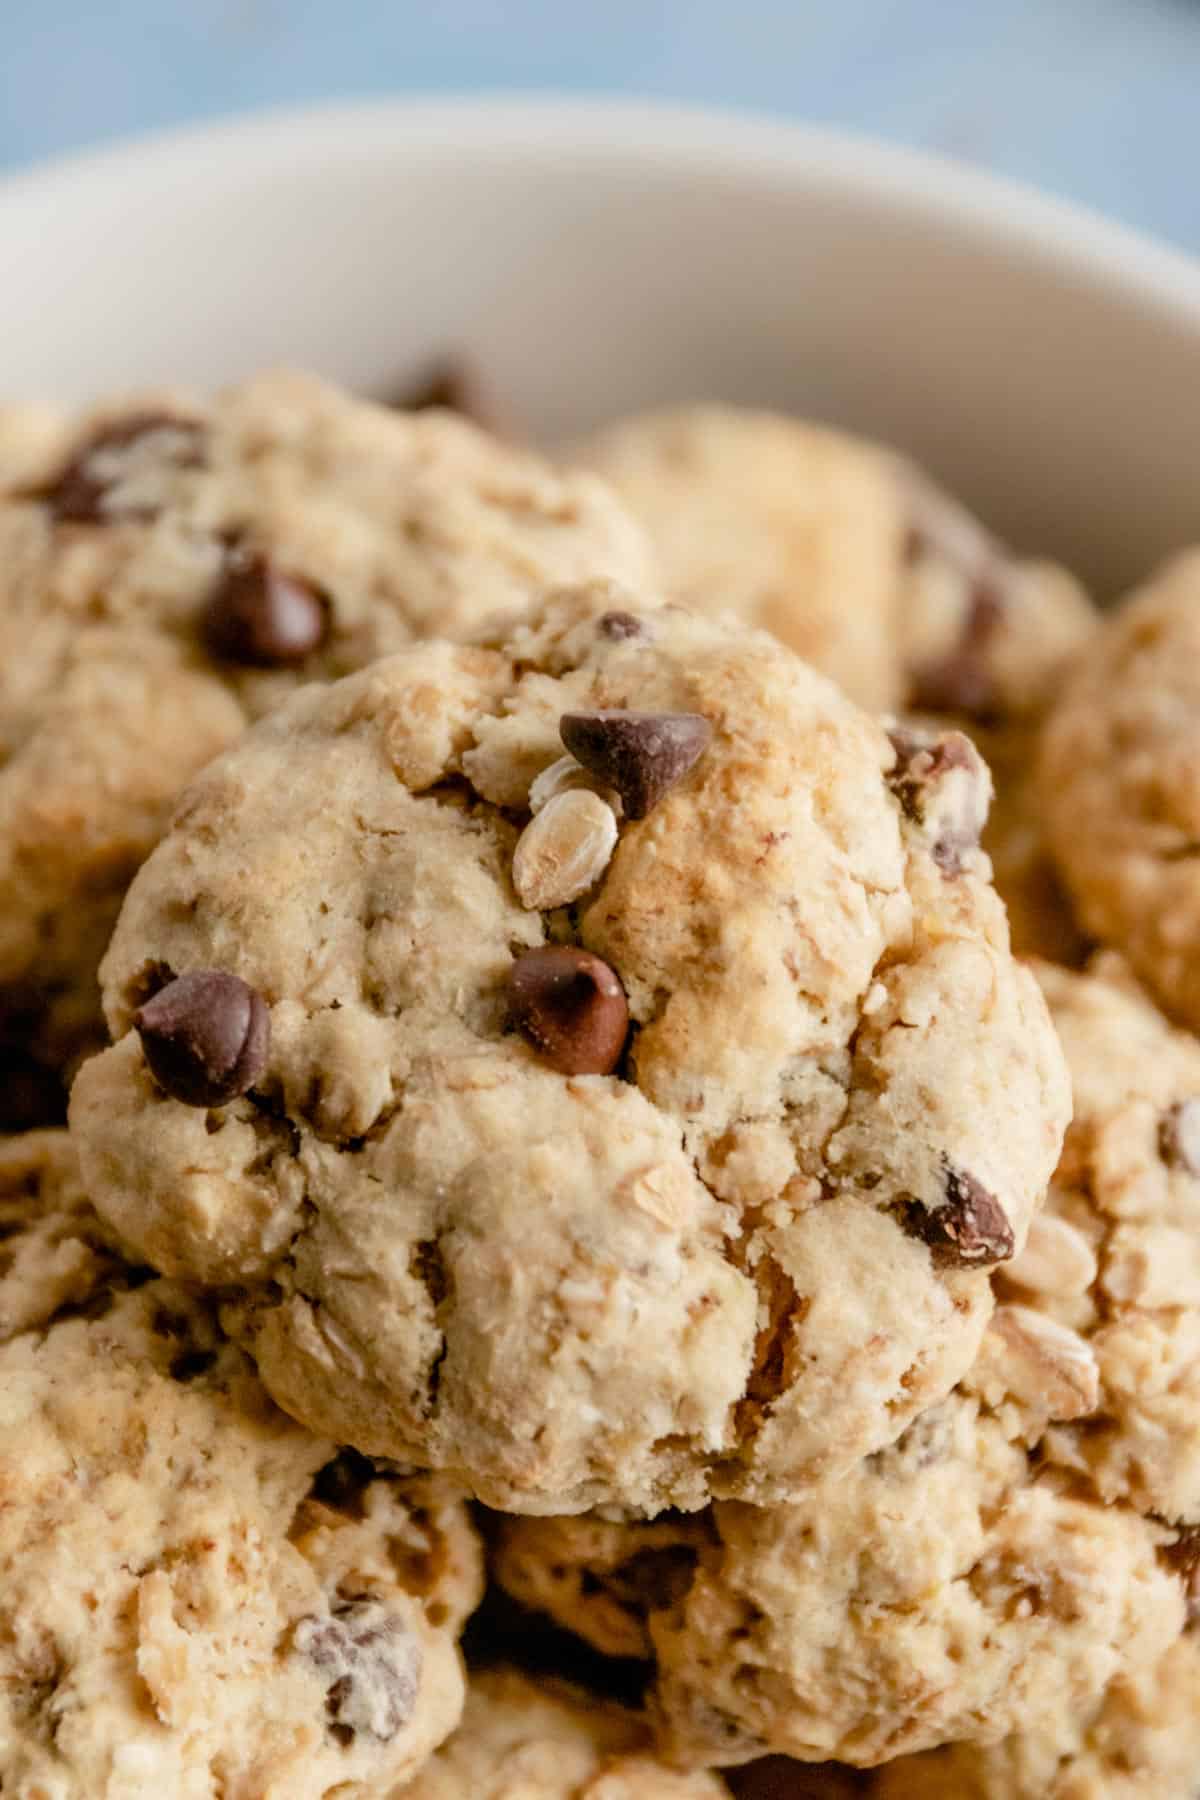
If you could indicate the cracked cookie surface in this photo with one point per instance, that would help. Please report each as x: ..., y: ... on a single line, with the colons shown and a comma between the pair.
x: 740, y: 1260
x: 526, y: 1740
x: 198, y: 1597
x: 942, y: 1589
x: 1120, y: 785
x: 173, y: 567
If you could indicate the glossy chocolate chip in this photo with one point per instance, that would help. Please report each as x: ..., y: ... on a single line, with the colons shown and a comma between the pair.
x: 572, y: 1008
x: 1179, y: 1136
x: 259, y: 614
x: 80, y: 493
x: 641, y: 755
x: 970, y: 1231
x: 373, y: 1666
x: 620, y: 625
x: 205, y: 1037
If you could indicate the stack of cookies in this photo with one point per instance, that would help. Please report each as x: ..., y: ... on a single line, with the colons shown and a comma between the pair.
x: 629, y: 1226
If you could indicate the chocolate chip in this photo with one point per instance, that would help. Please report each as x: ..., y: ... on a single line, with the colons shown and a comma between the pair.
x: 205, y: 1037
x: 375, y: 1667
x: 962, y: 681
x: 618, y: 625
x: 261, y: 615
x: 571, y: 1006
x: 971, y: 1231
x: 82, y: 491
x: 1179, y: 1136
x: 942, y: 784
x: 639, y: 754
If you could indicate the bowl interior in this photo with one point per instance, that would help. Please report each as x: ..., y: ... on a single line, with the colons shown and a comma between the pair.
x: 596, y: 259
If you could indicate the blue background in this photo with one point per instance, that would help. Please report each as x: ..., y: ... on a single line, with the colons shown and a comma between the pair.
x: 1095, y: 99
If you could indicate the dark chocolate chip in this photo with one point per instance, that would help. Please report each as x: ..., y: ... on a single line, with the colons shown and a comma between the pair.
x: 618, y: 625
x: 1179, y: 1136
x: 941, y: 782
x: 639, y: 754
x: 971, y: 1231
x: 259, y: 614
x: 963, y: 681
x: 79, y: 493
x: 374, y: 1663
x: 572, y: 1008
x: 205, y: 1037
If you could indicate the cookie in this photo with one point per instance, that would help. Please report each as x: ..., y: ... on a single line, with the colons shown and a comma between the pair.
x: 945, y: 1588
x: 1141, y: 1743
x: 521, y: 1740
x: 863, y: 566
x: 596, y: 1160
x: 1120, y: 785
x: 195, y: 1593
x: 171, y: 568
x: 1106, y: 1294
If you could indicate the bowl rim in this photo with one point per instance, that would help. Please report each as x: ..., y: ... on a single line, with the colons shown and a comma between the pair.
x: 1022, y: 220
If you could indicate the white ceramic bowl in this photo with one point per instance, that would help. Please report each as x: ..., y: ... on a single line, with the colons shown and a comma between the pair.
x: 600, y: 257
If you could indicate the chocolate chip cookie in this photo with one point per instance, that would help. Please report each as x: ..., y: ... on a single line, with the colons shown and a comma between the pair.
x: 196, y: 1595
x: 1120, y: 785
x: 947, y: 1587
x: 171, y: 568
x: 547, y: 1741
x: 590, y: 1062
